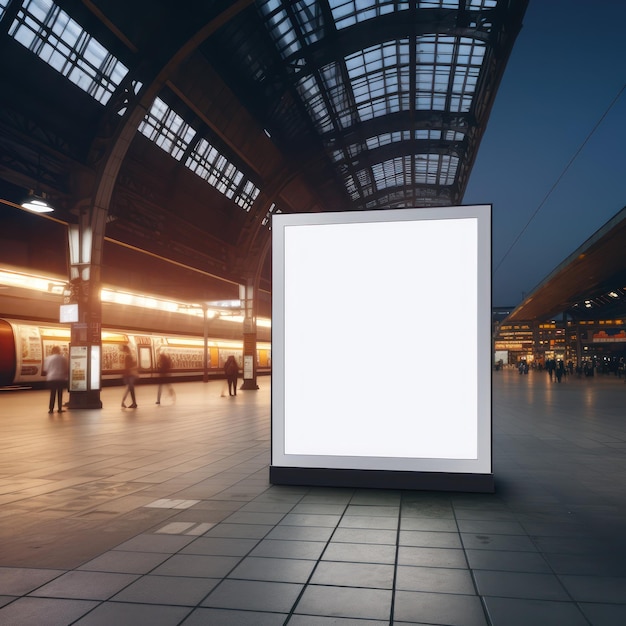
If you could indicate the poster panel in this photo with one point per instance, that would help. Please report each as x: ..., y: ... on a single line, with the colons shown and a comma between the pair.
x: 412, y: 285
x: 78, y: 368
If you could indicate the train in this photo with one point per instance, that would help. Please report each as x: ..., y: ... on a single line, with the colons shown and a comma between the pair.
x: 24, y: 345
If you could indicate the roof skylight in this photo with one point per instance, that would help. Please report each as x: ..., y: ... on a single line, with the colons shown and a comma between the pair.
x: 43, y: 28
x: 167, y: 129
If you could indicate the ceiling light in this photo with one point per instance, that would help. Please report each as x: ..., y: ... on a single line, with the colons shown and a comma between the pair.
x: 37, y: 204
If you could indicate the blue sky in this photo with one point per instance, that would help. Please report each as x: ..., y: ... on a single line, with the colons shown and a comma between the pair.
x: 566, y: 68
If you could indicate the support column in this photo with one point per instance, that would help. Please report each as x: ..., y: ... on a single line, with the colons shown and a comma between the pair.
x: 205, y: 356
x: 85, y: 362
x: 579, y: 345
x: 246, y: 295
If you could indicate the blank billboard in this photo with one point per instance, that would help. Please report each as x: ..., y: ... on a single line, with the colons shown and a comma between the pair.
x: 381, y: 343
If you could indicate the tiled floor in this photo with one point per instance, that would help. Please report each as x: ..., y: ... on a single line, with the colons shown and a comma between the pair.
x: 164, y: 515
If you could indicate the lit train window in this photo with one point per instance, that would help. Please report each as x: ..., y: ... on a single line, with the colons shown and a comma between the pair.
x: 145, y: 358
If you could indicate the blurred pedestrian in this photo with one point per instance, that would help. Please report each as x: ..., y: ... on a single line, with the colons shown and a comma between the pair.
x: 164, y: 365
x: 131, y: 374
x: 231, y: 369
x: 55, y: 367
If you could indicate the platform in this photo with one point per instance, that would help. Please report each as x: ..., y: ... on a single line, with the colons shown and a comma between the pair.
x: 164, y: 515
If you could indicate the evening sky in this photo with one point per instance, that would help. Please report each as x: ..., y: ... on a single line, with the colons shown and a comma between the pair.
x: 552, y: 161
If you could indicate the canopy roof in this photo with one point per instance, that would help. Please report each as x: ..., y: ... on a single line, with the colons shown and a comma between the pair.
x: 589, y: 284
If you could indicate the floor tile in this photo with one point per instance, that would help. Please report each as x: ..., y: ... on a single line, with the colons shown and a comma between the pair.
x: 439, y: 608
x: 274, y: 569
x: 434, y: 579
x: 230, y: 617
x: 604, y: 614
x: 244, y: 531
x: 18, y: 581
x: 436, y: 524
x: 520, y: 585
x: 85, y: 585
x: 307, y: 508
x: 155, y: 543
x: 124, y: 614
x: 197, y: 565
x: 317, y: 620
x: 220, y: 546
x: 345, y: 602
x: 363, y: 510
x: 254, y: 596
x: 427, y: 539
x: 497, y: 542
x: 375, y: 575
x: 365, y: 535
x: 595, y: 588
x: 254, y: 517
x: 499, y: 560
x: 172, y: 590
x: 432, y: 557
x: 517, y: 612
x: 261, y: 506
x: 360, y: 553
x: 568, y: 545
x: 48, y: 611
x: 289, y: 549
x: 125, y: 562
x: 490, y: 527
x: 587, y: 564
x: 301, y: 533
x: 425, y: 509
x: 330, y: 495
x: 362, y: 521
x: 302, y: 519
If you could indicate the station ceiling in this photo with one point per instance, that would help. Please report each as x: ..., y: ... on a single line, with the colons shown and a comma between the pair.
x: 202, y: 119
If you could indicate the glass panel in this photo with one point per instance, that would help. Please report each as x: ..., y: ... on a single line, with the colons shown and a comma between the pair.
x: 3, y: 5
x: 380, y: 79
x: 167, y: 129
x: 349, y: 12
x: 312, y: 97
x: 208, y: 163
x: 56, y: 39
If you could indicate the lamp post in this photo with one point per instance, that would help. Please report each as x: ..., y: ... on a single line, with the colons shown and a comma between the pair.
x: 86, y: 331
x: 246, y: 295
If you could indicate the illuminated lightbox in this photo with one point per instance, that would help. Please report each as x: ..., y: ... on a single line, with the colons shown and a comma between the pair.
x: 381, y: 348
x: 68, y: 313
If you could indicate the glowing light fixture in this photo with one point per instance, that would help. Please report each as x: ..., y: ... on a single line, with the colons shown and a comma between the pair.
x: 37, y: 204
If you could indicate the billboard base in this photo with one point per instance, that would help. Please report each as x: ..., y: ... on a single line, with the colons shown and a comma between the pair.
x: 382, y: 479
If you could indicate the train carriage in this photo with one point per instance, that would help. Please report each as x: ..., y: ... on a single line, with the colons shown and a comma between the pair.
x: 24, y: 346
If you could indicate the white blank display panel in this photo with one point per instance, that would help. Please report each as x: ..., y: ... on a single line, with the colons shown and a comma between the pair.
x: 381, y: 340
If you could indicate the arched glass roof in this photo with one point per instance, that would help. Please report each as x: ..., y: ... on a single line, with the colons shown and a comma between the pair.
x: 395, y: 93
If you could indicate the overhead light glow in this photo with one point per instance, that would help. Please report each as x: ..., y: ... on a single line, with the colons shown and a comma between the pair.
x: 226, y: 310
x: 37, y: 204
